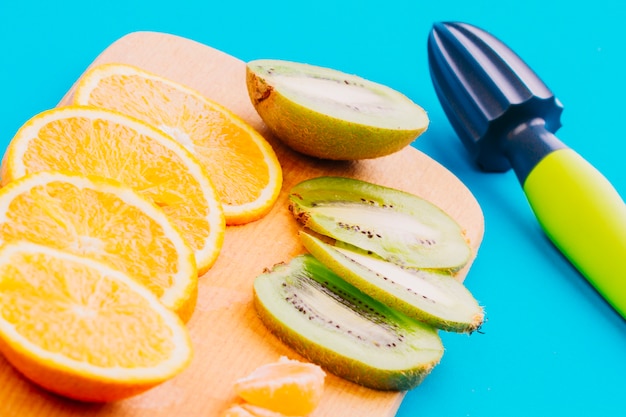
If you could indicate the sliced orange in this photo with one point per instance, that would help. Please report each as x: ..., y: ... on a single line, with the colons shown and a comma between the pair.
x: 287, y: 386
x: 241, y: 163
x: 79, y: 328
x: 95, y: 141
x: 106, y: 221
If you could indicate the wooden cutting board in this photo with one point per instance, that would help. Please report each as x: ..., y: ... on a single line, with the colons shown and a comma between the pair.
x: 228, y: 338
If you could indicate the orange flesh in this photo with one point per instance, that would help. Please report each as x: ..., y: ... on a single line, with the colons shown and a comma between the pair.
x: 100, y: 147
x: 88, y: 222
x: 65, y: 307
x: 184, y: 117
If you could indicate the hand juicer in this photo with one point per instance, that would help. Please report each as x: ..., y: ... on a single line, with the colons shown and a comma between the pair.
x: 506, y: 117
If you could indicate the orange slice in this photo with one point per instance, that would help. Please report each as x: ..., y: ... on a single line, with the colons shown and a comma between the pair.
x: 242, y: 165
x: 106, y: 221
x: 287, y: 386
x: 84, y: 330
x: 99, y: 142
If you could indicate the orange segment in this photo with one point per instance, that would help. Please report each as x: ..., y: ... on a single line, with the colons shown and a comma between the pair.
x: 242, y: 165
x: 237, y: 411
x: 287, y: 386
x: 248, y: 410
x: 99, y: 142
x: 104, y: 220
x: 81, y: 329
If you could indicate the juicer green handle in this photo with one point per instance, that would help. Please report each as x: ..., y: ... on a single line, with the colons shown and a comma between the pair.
x: 585, y: 217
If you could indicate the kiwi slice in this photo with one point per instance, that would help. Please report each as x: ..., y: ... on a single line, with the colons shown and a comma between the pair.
x: 397, y: 226
x: 333, y: 324
x: 431, y: 296
x: 329, y: 114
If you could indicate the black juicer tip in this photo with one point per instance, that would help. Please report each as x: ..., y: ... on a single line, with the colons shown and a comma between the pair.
x: 487, y: 92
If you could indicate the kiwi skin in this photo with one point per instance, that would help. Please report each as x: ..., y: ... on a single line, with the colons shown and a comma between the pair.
x: 321, y: 135
x: 420, y: 358
x: 350, y: 370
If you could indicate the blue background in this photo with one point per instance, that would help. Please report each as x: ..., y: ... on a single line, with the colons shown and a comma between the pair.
x: 551, y: 345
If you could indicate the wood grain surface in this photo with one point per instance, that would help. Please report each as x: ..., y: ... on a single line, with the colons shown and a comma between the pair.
x: 229, y: 340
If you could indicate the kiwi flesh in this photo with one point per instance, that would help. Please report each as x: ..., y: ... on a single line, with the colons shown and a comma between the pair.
x: 333, y: 324
x: 329, y: 114
x: 431, y: 296
x: 397, y: 226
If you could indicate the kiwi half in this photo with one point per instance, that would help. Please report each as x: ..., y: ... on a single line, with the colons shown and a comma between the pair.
x: 431, y: 296
x: 330, y: 114
x: 397, y: 226
x: 331, y: 323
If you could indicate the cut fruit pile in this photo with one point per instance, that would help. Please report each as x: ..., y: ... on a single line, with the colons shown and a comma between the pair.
x: 284, y: 388
x: 97, y: 195
x: 113, y: 206
x: 367, y: 301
